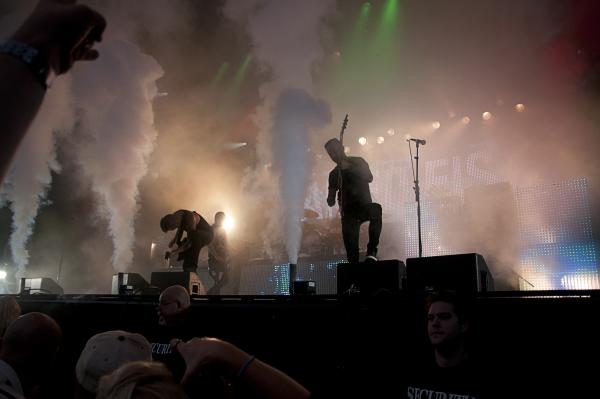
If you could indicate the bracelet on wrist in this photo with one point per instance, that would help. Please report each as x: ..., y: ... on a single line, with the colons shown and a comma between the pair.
x: 31, y: 57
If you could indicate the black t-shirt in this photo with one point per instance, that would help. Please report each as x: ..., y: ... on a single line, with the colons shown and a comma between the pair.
x: 355, y: 183
x: 467, y: 381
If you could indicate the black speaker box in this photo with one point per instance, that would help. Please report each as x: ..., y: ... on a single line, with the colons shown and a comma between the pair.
x: 304, y: 287
x: 464, y: 273
x: 40, y: 285
x: 128, y: 283
x: 369, y: 278
x: 189, y: 280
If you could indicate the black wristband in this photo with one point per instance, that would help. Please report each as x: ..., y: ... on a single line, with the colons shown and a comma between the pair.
x: 33, y: 58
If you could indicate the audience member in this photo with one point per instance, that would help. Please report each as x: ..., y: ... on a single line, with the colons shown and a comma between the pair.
x: 28, y: 355
x: 173, y: 305
x: 245, y: 373
x: 173, y: 320
x: 9, y: 311
x: 104, y: 353
x: 454, y: 371
x: 56, y: 35
x: 140, y: 380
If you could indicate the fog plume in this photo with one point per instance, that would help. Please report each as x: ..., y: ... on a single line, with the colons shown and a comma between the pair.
x: 114, y: 100
x: 285, y: 37
x: 297, y: 114
x: 31, y: 171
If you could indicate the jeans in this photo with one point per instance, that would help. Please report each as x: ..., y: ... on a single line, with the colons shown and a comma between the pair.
x: 351, y: 221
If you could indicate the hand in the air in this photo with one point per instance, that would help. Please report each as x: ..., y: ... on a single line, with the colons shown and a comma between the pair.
x: 63, y: 31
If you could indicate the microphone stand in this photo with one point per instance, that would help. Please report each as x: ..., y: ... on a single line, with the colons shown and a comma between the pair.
x: 417, y: 192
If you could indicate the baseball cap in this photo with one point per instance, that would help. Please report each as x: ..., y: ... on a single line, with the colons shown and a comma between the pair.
x: 106, y: 352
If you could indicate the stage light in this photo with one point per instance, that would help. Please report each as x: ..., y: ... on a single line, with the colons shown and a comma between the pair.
x: 520, y: 107
x: 362, y: 140
x: 436, y: 125
x: 408, y: 137
x: 152, y: 248
x: 486, y: 115
x: 380, y: 140
x: 391, y: 132
x: 466, y: 120
x: 2, y: 274
x: 229, y: 223
x: 347, y: 150
x: 234, y: 146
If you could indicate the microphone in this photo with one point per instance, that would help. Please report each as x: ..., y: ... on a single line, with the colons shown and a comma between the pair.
x: 418, y: 141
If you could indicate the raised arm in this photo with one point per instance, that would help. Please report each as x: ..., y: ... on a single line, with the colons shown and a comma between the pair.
x: 246, y: 372
x: 57, y: 34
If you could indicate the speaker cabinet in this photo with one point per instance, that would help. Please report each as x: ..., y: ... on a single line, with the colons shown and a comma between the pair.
x: 40, y: 285
x: 304, y: 287
x: 128, y: 283
x: 464, y: 273
x: 370, y: 278
x: 189, y: 280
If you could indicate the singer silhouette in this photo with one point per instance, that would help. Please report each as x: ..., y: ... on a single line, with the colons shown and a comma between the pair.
x: 356, y: 205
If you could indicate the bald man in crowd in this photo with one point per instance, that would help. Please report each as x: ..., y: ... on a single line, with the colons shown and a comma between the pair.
x: 28, y: 355
x: 173, y: 322
x: 173, y: 304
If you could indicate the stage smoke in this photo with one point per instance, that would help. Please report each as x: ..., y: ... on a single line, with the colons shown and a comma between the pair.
x: 31, y: 171
x: 296, y: 114
x: 285, y: 35
x: 114, y: 96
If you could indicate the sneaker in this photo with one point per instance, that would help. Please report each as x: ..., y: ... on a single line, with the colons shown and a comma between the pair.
x: 370, y: 258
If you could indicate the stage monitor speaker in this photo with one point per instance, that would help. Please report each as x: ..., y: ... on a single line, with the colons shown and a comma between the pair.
x: 305, y: 287
x: 189, y: 280
x: 464, y: 273
x: 40, y: 285
x: 370, y: 278
x: 128, y: 284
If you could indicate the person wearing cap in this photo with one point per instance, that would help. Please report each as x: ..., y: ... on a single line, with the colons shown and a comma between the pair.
x: 104, y: 353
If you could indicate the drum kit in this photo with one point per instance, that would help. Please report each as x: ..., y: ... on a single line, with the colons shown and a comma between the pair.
x: 320, y: 237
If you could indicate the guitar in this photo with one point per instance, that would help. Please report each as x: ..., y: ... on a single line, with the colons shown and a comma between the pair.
x: 344, y: 126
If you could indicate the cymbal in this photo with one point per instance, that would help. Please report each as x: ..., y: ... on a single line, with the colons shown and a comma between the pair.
x: 310, y: 214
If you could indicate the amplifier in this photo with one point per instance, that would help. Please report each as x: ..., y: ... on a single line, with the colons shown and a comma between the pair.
x: 40, y: 285
x: 465, y: 273
x: 304, y: 288
x: 189, y: 280
x: 128, y: 284
x: 369, y: 278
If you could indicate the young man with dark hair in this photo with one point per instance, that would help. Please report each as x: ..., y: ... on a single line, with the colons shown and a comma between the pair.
x: 454, y: 371
x: 350, y: 181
